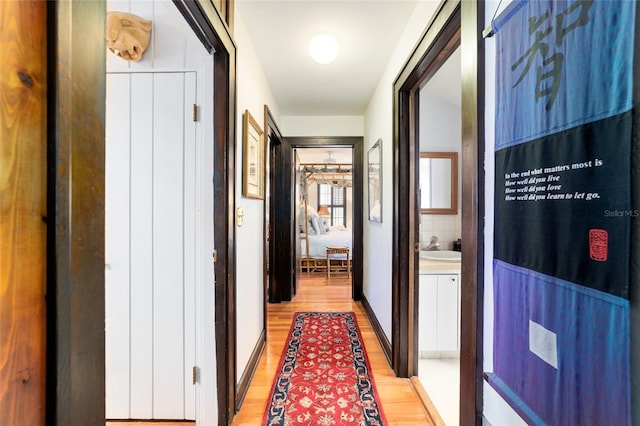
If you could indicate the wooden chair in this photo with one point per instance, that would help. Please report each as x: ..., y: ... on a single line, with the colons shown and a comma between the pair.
x: 338, y: 250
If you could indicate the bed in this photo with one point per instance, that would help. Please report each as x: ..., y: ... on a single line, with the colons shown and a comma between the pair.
x: 316, y: 236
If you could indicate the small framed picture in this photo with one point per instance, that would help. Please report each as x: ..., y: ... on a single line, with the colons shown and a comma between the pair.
x: 253, y: 158
x: 374, y: 173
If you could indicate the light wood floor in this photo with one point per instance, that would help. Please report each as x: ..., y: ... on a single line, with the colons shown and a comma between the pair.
x: 400, y: 401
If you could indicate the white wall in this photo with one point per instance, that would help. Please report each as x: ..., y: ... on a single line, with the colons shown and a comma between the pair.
x: 171, y: 44
x: 495, y: 410
x: 378, y: 121
x: 440, y: 125
x: 253, y: 93
x: 329, y: 125
x: 441, y: 131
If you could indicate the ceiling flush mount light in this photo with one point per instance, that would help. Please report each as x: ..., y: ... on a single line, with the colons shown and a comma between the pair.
x: 323, y: 48
x: 330, y: 159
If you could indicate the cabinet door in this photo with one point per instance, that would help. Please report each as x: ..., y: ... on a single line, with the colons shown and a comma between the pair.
x: 427, y: 321
x: 447, y: 313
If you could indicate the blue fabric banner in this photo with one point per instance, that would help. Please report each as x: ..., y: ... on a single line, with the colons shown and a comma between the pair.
x: 564, y: 118
x: 577, y: 373
x: 560, y: 189
x: 563, y: 64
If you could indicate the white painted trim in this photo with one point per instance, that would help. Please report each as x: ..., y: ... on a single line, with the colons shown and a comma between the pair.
x: 206, y: 389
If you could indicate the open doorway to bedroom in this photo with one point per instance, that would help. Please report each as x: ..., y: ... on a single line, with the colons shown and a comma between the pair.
x: 324, y: 194
x: 343, y: 216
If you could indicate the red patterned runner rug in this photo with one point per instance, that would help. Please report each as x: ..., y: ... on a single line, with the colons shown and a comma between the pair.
x: 324, y: 376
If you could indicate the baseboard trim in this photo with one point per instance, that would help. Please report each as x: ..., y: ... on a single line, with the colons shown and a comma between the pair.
x: 426, y: 402
x: 252, y: 366
x: 382, y: 338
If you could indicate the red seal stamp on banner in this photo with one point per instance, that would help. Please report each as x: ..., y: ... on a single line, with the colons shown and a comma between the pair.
x: 598, y: 244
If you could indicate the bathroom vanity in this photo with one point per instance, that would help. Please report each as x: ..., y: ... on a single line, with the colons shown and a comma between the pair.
x: 439, y: 306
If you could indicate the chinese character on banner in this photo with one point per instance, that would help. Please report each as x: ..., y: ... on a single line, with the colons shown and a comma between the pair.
x: 548, y: 74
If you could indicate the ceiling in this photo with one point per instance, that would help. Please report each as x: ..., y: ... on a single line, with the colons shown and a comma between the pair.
x: 319, y: 155
x: 367, y: 31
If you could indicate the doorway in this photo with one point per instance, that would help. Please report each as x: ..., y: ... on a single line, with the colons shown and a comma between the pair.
x: 455, y: 24
x: 158, y: 232
x: 150, y: 240
x: 356, y: 145
x: 439, y: 139
x: 75, y: 391
x: 324, y: 195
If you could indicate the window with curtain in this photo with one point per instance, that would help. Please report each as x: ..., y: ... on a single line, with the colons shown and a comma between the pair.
x: 336, y: 201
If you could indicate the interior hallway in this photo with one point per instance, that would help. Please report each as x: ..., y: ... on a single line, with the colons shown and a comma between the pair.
x: 399, y: 400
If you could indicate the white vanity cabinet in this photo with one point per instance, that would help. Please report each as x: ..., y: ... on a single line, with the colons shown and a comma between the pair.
x: 439, y: 313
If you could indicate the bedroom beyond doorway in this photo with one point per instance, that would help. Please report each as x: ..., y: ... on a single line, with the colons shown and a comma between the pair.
x: 324, y: 193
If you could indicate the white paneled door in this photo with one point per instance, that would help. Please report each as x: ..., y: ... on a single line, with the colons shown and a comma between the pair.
x: 150, y: 245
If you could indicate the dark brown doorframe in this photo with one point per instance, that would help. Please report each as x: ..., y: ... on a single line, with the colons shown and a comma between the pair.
x: 282, y: 269
x: 357, y: 144
x: 455, y: 24
x: 214, y: 35
x: 438, y: 42
x: 75, y: 259
x: 473, y: 210
x: 75, y: 248
x: 273, y: 138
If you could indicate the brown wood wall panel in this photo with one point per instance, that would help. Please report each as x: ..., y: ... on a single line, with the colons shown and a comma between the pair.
x: 23, y: 93
x: 76, y: 282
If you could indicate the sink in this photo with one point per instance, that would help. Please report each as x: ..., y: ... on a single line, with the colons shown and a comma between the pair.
x: 442, y: 255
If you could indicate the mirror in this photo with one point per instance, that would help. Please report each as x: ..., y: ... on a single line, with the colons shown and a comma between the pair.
x: 439, y: 182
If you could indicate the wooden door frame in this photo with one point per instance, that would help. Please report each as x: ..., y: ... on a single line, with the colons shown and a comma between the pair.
x: 75, y: 174
x: 357, y: 143
x: 75, y: 238
x: 282, y: 274
x: 272, y: 132
x: 455, y: 22
x: 214, y: 34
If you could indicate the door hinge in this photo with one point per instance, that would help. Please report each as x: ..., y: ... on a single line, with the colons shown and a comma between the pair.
x: 195, y: 112
x: 215, y: 256
x: 195, y: 374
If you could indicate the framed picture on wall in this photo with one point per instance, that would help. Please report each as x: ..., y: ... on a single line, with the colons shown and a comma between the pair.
x: 374, y: 173
x: 253, y: 158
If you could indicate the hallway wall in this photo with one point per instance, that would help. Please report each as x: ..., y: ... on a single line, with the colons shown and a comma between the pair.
x: 496, y: 410
x: 253, y: 94
x: 377, y: 242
